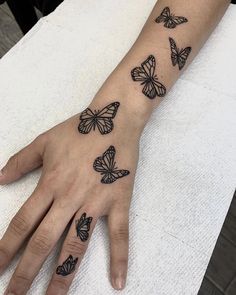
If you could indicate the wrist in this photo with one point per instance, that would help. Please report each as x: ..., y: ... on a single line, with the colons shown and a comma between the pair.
x: 134, y: 109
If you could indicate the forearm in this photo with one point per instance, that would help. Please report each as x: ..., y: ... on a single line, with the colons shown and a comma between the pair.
x: 202, y: 17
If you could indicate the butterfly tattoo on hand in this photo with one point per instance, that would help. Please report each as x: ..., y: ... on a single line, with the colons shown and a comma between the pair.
x: 100, y: 119
x: 146, y: 75
x: 83, y: 227
x: 106, y: 165
x: 170, y: 20
x: 67, y: 267
x: 179, y: 56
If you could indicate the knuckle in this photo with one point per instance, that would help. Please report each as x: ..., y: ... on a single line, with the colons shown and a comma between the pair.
x: 57, y: 284
x: 120, y: 234
x: 75, y: 247
x: 41, y: 138
x: 4, y: 254
x: 19, y: 225
x: 21, y: 279
x: 15, y: 162
x: 40, y: 243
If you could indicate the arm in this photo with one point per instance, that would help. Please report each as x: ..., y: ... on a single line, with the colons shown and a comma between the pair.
x: 89, y: 161
x: 202, y: 18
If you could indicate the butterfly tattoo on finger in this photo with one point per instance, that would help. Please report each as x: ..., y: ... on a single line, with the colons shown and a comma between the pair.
x: 83, y: 226
x: 170, y: 21
x: 146, y: 75
x: 178, y: 56
x: 67, y: 267
x: 101, y: 119
x: 106, y: 165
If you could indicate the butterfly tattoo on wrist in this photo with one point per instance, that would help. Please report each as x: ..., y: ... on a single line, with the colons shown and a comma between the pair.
x: 67, y: 267
x: 178, y: 56
x: 170, y: 20
x: 106, y: 165
x: 101, y: 119
x: 83, y: 226
x: 146, y: 75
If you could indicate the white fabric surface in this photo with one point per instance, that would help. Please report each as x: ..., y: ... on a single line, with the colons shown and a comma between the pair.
x: 186, y: 174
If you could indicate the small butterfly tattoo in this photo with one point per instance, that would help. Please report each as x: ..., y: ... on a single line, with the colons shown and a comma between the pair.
x: 101, y: 119
x: 146, y: 75
x: 83, y: 227
x: 67, y: 267
x: 179, y: 56
x: 170, y: 20
x: 107, y: 166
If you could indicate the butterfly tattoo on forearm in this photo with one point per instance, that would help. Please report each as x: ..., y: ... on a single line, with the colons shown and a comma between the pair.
x: 83, y: 226
x: 178, y: 56
x: 106, y: 165
x: 101, y: 119
x: 67, y: 267
x: 170, y: 21
x: 146, y: 75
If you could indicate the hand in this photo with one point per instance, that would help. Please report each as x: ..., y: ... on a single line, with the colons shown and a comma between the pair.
x: 75, y: 188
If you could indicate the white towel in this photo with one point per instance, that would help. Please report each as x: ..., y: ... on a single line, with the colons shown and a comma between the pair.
x: 187, y: 168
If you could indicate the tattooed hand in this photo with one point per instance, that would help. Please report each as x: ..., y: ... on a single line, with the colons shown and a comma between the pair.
x: 88, y: 167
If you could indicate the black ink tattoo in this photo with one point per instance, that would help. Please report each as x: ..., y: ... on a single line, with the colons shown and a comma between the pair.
x: 107, y: 166
x: 170, y: 20
x: 179, y: 56
x: 83, y: 227
x: 102, y: 119
x: 67, y: 267
x: 146, y: 75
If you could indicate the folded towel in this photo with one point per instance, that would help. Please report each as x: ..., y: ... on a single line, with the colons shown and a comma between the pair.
x: 187, y: 168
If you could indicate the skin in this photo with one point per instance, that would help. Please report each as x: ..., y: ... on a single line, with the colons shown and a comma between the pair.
x: 68, y: 185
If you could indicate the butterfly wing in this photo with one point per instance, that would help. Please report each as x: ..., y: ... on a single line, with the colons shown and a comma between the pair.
x: 83, y: 227
x: 114, y: 175
x: 174, y: 51
x: 154, y: 88
x: 138, y: 74
x: 164, y: 15
x: 105, y: 125
x: 87, y: 121
x: 173, y: 21
x: 109, y: 111
x: 105, y: 116
x: 149, y: 66
x: 104, y: 163
x: 67, y: 267
x: 183, y: 55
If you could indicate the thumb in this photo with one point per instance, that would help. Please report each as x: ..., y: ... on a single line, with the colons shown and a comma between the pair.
x: 24, y: 161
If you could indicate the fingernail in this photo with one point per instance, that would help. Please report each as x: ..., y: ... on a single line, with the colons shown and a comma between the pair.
x: 119, y: 283
x: 10, y: 294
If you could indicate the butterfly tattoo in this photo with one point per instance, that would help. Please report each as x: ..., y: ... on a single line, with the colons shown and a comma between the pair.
x: 83, y: 227
x: 146, y: 75
x: 101, y: 119
x: 107, y: 166
x: 67, y: 267
x: 170, y: 20
x: 179, y: 56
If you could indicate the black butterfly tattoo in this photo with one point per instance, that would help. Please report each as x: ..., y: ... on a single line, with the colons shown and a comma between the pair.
x: 83, y: 227
x: 102, y: 119
x: 146, y: 75
x: 67, y: 267
x: 107, y: 166
x: 170, y: 20
x: 178, y: 56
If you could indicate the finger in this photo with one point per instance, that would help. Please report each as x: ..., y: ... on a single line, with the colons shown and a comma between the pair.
x: 73, y: 250
x: 27, y: 159
x: 40, y: 246
x: 118, y: 227
x: 23, y: 223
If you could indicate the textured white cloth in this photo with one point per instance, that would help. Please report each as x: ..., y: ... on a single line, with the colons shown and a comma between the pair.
x: 187, y: 167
